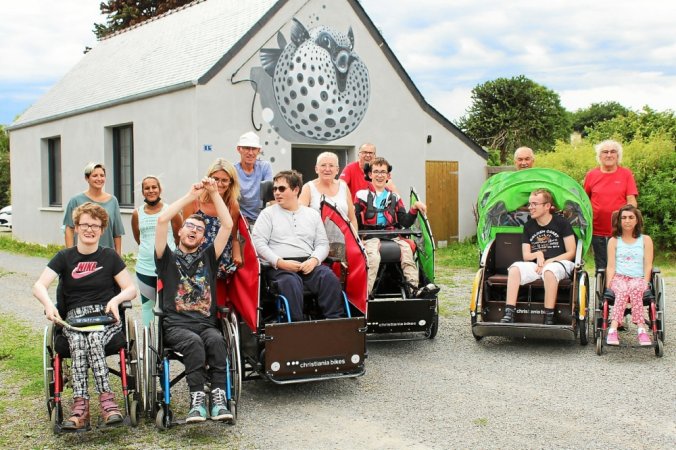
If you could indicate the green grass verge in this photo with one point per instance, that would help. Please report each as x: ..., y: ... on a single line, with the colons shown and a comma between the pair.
x: 20, y: 357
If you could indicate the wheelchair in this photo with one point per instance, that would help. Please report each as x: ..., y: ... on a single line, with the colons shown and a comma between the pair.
x: 395, y: 307
x: 499, y: 234
x: 157, y: 374
x: 653, y: 299
x: 56, y: 370
x: 281, y: 351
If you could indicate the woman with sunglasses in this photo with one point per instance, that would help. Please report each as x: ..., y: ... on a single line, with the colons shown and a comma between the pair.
x: 225, y: 175
x: 143, y: 224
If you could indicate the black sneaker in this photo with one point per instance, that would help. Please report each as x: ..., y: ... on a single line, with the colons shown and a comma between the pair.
x: 549, y: 318
x: 198, y: 407
x: 509, y: 315
x: 219, y: 405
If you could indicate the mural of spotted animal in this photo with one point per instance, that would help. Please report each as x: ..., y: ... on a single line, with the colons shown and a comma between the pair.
x: 321, y: 87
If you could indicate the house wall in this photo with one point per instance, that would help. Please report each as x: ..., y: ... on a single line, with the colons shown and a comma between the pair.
x: 163, y: 133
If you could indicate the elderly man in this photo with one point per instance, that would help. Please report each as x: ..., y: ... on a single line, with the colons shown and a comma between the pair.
x: 251, y: 171
x: 524, y: 158
x: 548, y: 247
x: 353, y: 174
x: 609, y: 187
x: 292, y: 239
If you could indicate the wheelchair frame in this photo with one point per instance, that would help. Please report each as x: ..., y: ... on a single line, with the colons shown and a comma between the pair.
x: 656, y: 320
x: 156, y: 369
x: 56, y: 375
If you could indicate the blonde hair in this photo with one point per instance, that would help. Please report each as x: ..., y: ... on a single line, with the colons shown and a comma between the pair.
x: 232, y: 193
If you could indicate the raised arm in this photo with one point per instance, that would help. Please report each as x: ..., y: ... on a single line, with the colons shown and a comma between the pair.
x: 168, y: 214
x: 221, y: 239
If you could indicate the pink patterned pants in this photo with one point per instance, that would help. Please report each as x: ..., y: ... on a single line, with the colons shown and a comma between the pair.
x: 628, y: 289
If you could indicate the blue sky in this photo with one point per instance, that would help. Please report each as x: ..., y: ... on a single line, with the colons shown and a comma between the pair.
x: 586, y: 51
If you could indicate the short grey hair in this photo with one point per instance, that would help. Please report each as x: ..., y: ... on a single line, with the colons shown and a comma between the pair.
x: 608, y: 143
x: 89, y: 168
x: 328, y: 155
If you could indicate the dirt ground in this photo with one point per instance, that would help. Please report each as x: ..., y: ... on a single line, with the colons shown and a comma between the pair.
x: 451, y: 392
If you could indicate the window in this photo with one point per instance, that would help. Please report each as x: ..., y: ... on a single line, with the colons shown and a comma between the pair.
x: 54, y: 171
x: 123, y: 165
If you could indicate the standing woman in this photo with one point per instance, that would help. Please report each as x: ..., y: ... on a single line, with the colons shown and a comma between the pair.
x: 143, y: 224
x: 326, y: 185
x: 225, y: 175
x: 630, y: 264
x: 95, y: 176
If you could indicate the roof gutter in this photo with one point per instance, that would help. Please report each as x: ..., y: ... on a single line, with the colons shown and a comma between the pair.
x: 116, y: 102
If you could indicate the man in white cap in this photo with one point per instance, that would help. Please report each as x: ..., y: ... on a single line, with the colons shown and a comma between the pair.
x: 251, y: 171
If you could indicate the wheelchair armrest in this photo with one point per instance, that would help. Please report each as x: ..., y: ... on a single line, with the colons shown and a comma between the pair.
x: 223, y: 309
x: 656, y: 270
x: 126, y: 304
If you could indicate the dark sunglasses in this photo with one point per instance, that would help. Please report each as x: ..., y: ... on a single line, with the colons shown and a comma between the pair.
x: 281, y: 189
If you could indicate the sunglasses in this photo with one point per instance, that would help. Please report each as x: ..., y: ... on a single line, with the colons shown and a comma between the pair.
x: 281, y: 189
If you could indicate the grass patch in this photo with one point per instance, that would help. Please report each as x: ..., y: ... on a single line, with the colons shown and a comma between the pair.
x: 463, y: 254
x: 21, y: 354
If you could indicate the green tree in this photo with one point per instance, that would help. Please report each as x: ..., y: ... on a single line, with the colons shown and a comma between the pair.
x: 507, y: 113
x: 5, y: 185
x: 125, y: 13
x: 587, y: 118
x: 644, y: 125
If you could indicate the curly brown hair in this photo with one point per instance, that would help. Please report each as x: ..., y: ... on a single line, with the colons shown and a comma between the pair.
x: 95, y: 212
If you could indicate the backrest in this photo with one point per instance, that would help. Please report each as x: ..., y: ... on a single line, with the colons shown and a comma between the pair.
x: 507, y: 249
x: 266, y: 192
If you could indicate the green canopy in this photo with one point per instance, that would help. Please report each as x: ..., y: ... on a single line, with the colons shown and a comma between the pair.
x: 503, y: 199
x: 425, y: 245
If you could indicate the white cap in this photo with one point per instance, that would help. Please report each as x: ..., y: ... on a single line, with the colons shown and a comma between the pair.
x: 249, y: 139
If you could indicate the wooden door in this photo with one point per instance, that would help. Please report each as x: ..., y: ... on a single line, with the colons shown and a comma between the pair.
x: 441, y: 195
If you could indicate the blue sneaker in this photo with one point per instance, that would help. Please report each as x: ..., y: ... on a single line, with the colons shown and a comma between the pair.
x: 198, y: 409
x: 219, y: 405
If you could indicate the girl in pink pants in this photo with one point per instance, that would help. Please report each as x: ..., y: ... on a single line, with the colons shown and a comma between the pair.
x: 630, y: 261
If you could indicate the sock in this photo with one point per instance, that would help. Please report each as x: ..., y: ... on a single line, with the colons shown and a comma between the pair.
x: 640, y: 330
x: 610, y: 330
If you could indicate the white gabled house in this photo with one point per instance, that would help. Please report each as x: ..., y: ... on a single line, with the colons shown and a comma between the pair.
x: 168, y: 96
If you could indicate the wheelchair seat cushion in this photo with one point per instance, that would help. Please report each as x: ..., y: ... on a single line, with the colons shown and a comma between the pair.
x: 112, y: 347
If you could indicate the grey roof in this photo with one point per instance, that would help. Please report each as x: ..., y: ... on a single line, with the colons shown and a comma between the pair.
x: 172, y: 51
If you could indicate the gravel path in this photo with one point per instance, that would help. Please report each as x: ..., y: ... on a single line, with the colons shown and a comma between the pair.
x: 451, y: 392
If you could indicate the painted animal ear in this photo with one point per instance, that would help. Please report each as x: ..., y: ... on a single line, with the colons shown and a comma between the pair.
x: 298, y: 33
x: 350, y: 36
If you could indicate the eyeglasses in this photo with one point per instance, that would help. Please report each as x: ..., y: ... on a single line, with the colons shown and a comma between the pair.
x: 379, y: 172
x: 221, y: 180
x: 534, y: 204
x: 367, y: 153
x: 87, y: 226
x: 250, y: 149
x: 191, y: 226
x: 281, y: 189
x: 609, y: 152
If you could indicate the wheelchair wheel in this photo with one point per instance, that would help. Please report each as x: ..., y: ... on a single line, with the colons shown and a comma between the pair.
x: 55, y: 421
x: 659, y: 348
x: 231, y: 333
x: 434, y: 328
x: 149, y: 393
x: 598, y: 300
x: 599, y: 344
x: 162, y: 420
x: 134, y: 359
x: 47, y: 368
x: 134, y: 409
x: 658, y: 286
x: 583, y: 307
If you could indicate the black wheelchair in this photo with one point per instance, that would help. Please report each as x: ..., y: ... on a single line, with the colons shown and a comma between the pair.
x: 56, y: 370
x: 653, y: 300
x: 157, y: 374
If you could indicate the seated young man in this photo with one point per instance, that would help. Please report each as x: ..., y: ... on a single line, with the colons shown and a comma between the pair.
x: 189, y: 277
x: 381, y: 209
x: 548, y: 247
x: 292, y: 239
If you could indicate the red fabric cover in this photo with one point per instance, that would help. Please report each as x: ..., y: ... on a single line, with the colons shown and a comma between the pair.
x: 243, y: 287
x: 356, y: 280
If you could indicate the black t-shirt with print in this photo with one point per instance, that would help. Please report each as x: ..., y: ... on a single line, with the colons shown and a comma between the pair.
x: 548, y: 239
x: 87, y: 279
x: 189, y: 287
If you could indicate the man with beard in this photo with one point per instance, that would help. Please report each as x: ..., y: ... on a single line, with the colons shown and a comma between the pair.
x: 189, y: 301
